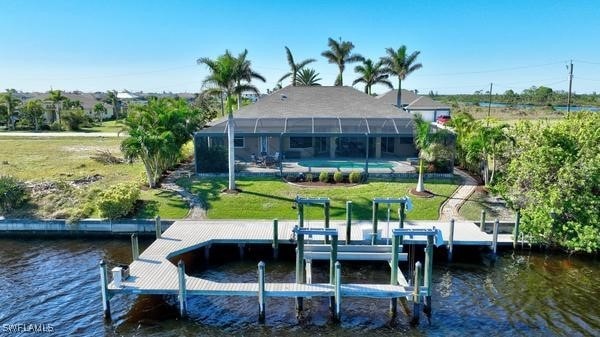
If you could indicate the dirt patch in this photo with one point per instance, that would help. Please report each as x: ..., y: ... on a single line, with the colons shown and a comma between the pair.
x: 424, y: 194
x: 86, y: 180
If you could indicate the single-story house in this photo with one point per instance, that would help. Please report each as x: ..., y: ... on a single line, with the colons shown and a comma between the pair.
x: 87, y: 100
x: 414, y: 104
x: 314, y: 122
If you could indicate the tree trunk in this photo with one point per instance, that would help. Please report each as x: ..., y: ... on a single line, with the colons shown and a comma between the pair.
x: 222, y: 105
x: 231, y: 151
x: 149, y: 175
x: 399, y: 95
x: 420, y: 185
x: 239, y: 101
x: 493, y: 169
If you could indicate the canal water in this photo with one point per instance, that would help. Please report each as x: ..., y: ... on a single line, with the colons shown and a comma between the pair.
x: 56, y: 283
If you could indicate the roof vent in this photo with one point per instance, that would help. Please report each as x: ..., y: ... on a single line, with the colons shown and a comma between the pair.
x: 283, y: 97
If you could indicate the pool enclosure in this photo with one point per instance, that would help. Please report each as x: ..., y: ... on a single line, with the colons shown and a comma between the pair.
x: 295, y: 139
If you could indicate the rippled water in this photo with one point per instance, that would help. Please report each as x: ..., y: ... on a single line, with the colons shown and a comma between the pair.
x: 529, y: 294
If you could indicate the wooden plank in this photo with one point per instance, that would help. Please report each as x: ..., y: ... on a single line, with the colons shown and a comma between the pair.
x: 355, y: 256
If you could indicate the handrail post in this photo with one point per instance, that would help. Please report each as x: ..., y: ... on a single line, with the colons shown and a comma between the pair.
x: 182, y: 290
x: 338, y: 291
x: 104, y: 288
x: 482, y: 221
x: 374, y: 234
x: 158, y: 227
x: 451, y: 240
x: 416, y: 296
x: 261, y: 292
x: 135, y: 250
x: 326, y: 211
x: 348, y: 222
x: 300, y: 215
x: 401, y: 218
x: 275, y: 238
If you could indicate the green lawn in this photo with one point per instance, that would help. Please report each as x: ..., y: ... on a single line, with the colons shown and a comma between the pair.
x: 479, y: 200
x: 107, y: 126
x: 61, y: 160
x: 272, y: 198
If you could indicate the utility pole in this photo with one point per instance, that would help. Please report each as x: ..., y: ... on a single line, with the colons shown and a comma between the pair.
x: 490, y: 104
x: 570, y: 85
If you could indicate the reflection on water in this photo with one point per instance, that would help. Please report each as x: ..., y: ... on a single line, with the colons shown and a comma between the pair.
x: 529, y: 294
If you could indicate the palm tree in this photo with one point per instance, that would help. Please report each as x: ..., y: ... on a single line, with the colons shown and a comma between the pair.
x: 294, y: 67
x: 429, y: 145
x: 57, y: 98
x: 371, y: 74
x: 308, y: 77
x: 113, y: 100
x: 99, y: 110
x: 11, y: 102
x: 33, y: 111
x: 340, y: 53
x: 245, y: 73
x: 401, y: 65
x: 224, y: 72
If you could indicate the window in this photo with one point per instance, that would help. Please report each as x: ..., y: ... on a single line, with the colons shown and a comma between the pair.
x: 300, y: 142
x: 406, y: 140
x: 387, y: 144
x: 238, y: 141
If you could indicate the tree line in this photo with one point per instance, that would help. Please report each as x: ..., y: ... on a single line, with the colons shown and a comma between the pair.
x: 538, y: 96
x: 550, y: 173
x: 55, y: 112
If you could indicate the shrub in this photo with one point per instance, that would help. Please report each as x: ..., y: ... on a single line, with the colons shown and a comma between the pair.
x: 12, y: 193
x: 117, y: 201
x: 75, y: 119
x: 355, y: 177
x: 309, y: 177
x: 338, y: 177
x: 323, y: 177
x: 55, y: 126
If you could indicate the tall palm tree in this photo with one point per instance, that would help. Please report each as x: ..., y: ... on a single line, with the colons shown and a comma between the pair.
x: 245, y: 73
x: 57, y: 98
x: 224, y: 72
x: 400, y: 64
x: 294, y: 67
x: 308, y: 77
x: 371, y: 74
x: 113, y: 100
x: 11, y: 102
x: 340, y: 53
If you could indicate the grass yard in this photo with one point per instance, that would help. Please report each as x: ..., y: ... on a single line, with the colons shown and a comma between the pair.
x: 480, y: 200
x: 62, y: 160
x: 272, y: 198
x: 107, y: 126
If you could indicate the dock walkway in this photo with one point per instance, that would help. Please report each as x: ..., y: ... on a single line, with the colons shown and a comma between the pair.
x: 153, y: 273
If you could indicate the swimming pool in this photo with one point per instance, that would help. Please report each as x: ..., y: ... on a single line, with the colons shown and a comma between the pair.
x: 350, y: 164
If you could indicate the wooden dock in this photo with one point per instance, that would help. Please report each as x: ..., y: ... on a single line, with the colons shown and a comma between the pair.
x: 152, y: 272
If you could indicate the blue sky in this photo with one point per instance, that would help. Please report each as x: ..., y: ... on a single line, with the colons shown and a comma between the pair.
x: 153, y: 45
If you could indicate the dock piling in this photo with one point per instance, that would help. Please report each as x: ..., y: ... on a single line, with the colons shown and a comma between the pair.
x: 242, y: 247
x: 135, y: 248
x: 416, y: 314
x: 401, y: 218
x: 394, y: 274
x: 482, y: 221
x: 299, y: 269
x: 275, y: 238
x: 348, y: 222
x: 332, y: 277
x: 158, y: 227
x: 326, y: 211
x: 516, y: 229
x: 428, y: 275
x: 261, y: 292
x: 104, y: 287
x: 338, y: 291
x: 451, y: 240
x: 495, y: 237
x: 374, y: 233
x: 182, y: 297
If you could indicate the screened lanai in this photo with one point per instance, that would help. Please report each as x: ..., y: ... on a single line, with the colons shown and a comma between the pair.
x: 300, y: 138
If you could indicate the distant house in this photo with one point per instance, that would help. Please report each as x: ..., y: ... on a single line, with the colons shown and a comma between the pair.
x: 315, y: 122
x: 416, y: 104
x: 87, y: 100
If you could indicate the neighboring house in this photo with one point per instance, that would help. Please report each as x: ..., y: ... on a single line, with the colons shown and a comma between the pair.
x: 318, y: 121
x: 88, y: 101
x: 429, y: 109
